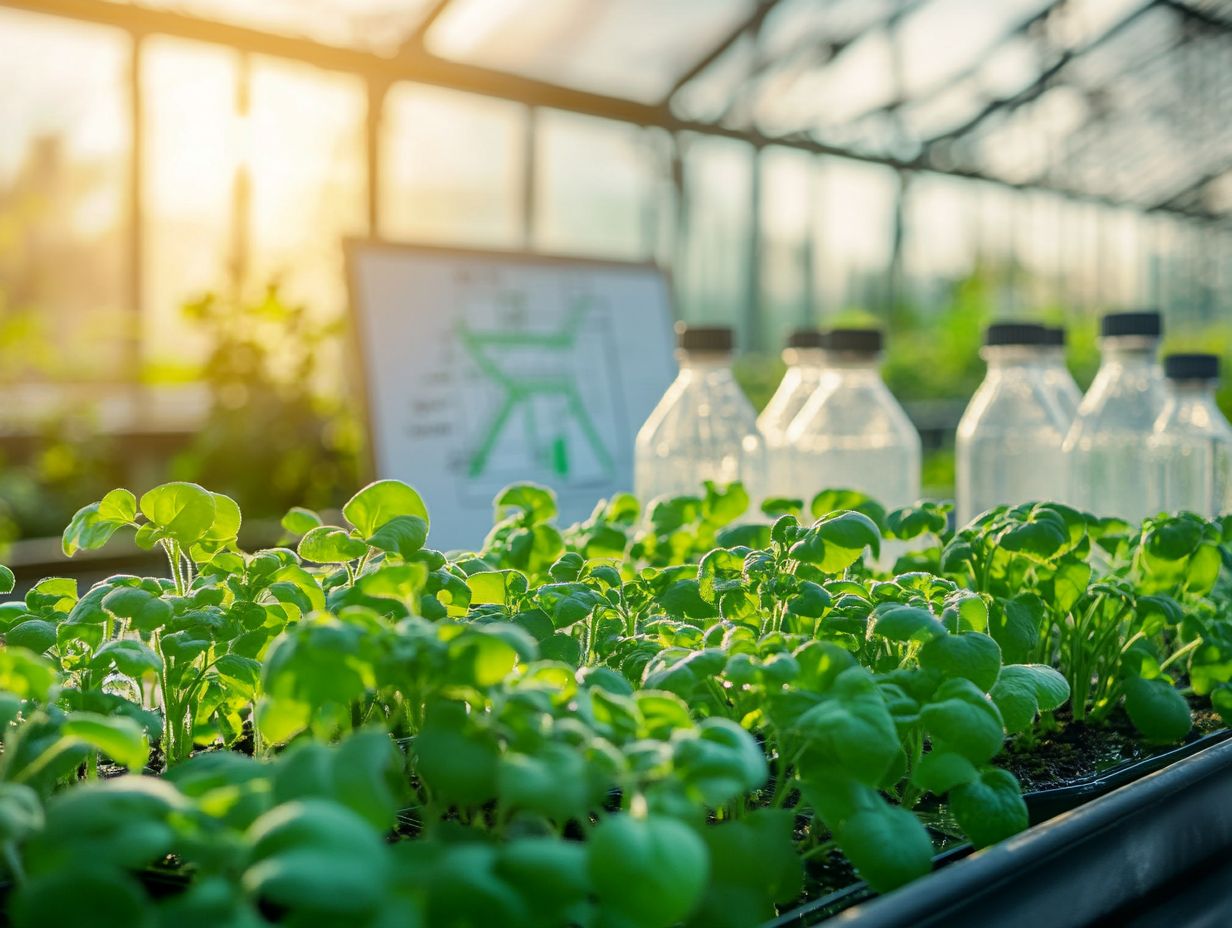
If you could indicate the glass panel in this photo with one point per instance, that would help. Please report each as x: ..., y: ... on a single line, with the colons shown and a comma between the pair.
x: 627, y: 48
x: 855, y: 235
x: 787, y: 199
x: 716, y: 95
x: 859, y: 79
x: 452, y: 167
x: 942, y: 38
x: 308, y: 181
x: 64, y: 153
x: 940, y: 239
x: 712, y: 273
x: 376, y: 25
x: 600, y: 187
x: 193, y: 146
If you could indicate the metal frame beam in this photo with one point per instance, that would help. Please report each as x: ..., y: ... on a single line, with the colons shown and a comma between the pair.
x: 422, y: 67
x: 1041, y: 84
x: 1194, y: 189
x: 751, y: 23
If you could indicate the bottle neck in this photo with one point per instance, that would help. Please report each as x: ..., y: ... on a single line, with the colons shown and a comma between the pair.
x: 804, y: 357
x: 703, y: 362
x: 1003, y: 358
x: 854, y: 363
x: 1129, y: 352
x: 1193, y: 391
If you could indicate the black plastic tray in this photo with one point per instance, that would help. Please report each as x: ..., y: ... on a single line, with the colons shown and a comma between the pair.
x: 1042, y: 806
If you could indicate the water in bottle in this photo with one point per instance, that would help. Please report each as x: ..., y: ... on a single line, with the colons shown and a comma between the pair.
x: 804, y: 376
x: 1057, y: 378
x: 1106, y: 448
x: 1191, y: 448
x: 852, y: 434
x: 1009, y: 440
x: 704, y: 428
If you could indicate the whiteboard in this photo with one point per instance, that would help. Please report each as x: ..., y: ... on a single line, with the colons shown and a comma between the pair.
x: 483, y: 369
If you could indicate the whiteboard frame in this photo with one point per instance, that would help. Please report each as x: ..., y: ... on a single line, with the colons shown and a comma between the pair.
x: 351, y: 246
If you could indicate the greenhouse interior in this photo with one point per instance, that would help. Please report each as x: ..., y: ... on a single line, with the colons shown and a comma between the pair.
x: 616, y: 463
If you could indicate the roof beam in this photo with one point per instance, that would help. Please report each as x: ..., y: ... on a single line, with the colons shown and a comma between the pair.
x: 1198, y: 15
x: 415, y: 41
x: 1022, y: 27
x: 751, y: 23
x: 1177, y: 199
x: 425, y: 68
x: 1036, y: 88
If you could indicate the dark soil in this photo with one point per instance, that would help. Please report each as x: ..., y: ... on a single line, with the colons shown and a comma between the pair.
x: 1077, y: 751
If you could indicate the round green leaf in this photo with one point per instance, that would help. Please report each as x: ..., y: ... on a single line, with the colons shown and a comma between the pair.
x: 381, y: 501
x: 887, y: 845
x: 147, y: 611
x: 538, y: 503
x: 990, y: 807
x: 316, y: 856
x: 97, y: 894
x: 121, y: 739
x: 651, y: 871
x: 1157, y: 709
x: 971, y: 655
x: 964, y: 720
x: 300, y: 521
x: 404, y: 535
x: 1023, y: 690
x: 182, y: 511
x: 88, y: 530
x: 328, y: 544
x: 907, y: 623
x: 940, y: 771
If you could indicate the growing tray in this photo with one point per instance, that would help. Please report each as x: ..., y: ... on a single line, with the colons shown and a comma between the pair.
x: 1116, y: 838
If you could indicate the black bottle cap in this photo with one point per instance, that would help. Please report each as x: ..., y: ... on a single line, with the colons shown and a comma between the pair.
x: 717, y: 338
x: 1191, y: 367
x: 1015, y: 333
x: 863, y: 341
x: 1147, y: 323
x: 805, y: 338
x: 1054, y: 336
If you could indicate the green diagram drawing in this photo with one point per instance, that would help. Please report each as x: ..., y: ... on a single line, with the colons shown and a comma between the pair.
x: 501, y: 355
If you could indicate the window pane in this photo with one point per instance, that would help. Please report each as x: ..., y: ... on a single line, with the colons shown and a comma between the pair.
x: 452, y: 167
x: 713, y: 272
x: 308, y: 180
x: 64, y: 153
x: 939, y: 246
x: 600, y: 187
x: 855, y: 234
x: 786, y: 239
x: 193, y: 146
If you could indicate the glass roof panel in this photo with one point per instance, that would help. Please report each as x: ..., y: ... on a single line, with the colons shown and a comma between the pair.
x: 371, y: 25
x: 859, y: 79
x: 716, y: 93
x: 942, y: 38
x: 632, y: 48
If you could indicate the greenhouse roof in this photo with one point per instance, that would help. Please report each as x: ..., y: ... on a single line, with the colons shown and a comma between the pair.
x: 1123, y: 101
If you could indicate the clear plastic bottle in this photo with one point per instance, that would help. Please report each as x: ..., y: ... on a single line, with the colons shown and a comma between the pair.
x: 852, y: 434
x: 1057, y: 377
x: 704, y: 428
x: 805, y: 374
x: 1106, y: 448
x: 1008, y: 449
x: 1191, y: 448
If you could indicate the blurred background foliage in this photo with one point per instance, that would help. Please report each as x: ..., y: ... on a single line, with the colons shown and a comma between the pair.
x: 274, y: 435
